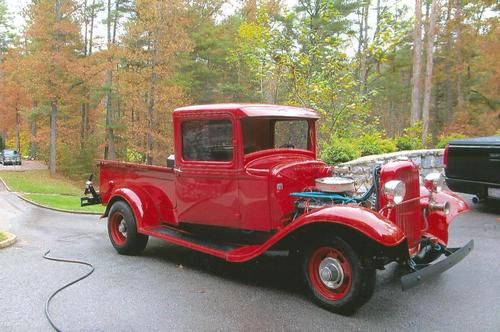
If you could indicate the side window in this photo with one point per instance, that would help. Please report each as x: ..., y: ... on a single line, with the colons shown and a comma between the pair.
x: 207, y: 140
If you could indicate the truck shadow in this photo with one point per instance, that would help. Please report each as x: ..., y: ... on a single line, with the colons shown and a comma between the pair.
x: 275, y: 271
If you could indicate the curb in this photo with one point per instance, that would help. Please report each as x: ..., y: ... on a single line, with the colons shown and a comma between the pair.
x: 11, y: 239
x: 27, y: 200
x: 47, y: 207
x: 5, y: 184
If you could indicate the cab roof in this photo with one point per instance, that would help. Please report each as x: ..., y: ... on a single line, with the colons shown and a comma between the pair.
x: 250, y: 110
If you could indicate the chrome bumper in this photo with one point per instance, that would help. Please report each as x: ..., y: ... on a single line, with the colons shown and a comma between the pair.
x: 424, y: 271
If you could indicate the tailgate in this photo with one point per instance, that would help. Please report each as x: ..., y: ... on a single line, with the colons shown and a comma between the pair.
x: 475, y: 163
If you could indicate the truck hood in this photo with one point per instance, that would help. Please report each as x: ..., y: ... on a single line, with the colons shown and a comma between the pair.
x: 287, y: 173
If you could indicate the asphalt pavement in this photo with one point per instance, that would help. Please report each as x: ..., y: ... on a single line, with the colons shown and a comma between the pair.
x: 170, y: 288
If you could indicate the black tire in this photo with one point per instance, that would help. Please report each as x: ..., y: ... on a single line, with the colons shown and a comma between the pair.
x: 354, y: 288
x: 122, y: 230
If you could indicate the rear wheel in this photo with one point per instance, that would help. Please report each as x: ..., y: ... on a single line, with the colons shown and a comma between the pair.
x: 122, y: 230
x: 337, y: 277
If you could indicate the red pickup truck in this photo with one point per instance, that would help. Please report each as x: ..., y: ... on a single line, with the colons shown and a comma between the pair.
x: 245, y: 180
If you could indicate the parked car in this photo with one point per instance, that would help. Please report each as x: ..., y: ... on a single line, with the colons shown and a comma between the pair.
x: 10, y: 157
x: 245, y: 179
x: 473, y: 166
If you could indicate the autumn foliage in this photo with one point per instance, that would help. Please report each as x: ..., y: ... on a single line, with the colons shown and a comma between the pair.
x: 90, y: 79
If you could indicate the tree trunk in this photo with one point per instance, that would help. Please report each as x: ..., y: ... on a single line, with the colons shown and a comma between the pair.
x: 83, y: 124
x: 86, y: 27
x: 428, y: 69
x: 460, y: 58
x: 417, y: 64
x: 33, y: 147
x: 364, y: 41
x: 53, y: 137
x: 18, y: 130
x: 91, y: 36
x: 109, y: 152
x: 448, y: 68
x: 53, y: 104
x: 151, y: 109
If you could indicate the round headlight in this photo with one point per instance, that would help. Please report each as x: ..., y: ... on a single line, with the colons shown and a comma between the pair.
x: 434, y: 182
x: 395, y: 191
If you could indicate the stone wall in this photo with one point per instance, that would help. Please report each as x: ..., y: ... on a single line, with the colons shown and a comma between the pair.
x: 361, y: 169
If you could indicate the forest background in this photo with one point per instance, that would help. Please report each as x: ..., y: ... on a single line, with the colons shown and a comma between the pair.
x: 384, y: 76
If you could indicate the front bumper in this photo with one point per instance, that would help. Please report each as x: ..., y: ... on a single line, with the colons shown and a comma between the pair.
x: 425, y: 271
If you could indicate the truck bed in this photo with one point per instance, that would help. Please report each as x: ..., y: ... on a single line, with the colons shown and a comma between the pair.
x: 473, y: 165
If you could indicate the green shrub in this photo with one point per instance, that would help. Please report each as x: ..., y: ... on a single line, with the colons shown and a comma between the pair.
x: 412, y: 138
x: 340, y: 151
x: 134, y: 156
x: 77, y: 163
x: 443, y: 140
x: 408, y: 143
x: 370, y: 144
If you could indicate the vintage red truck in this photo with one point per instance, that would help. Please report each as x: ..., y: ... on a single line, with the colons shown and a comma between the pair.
x: 245, y: 179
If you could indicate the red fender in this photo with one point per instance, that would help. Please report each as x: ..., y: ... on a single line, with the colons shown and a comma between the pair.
x: 141, y: 205
x: 437, y: 221
x: 367, y: 222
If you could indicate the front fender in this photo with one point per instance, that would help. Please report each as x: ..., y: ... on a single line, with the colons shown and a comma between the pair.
x: 437, y: 221
x: 367, y: 222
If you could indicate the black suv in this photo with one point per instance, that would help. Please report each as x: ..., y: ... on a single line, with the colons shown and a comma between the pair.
x: 10, y: 157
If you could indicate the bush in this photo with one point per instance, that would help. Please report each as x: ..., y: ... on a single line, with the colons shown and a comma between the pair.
x: 76, y: 163
x: 443, y: 140
x: 412, y: 138
x: 370, y: 144
x: 408, y: 143
x: 340, y: 151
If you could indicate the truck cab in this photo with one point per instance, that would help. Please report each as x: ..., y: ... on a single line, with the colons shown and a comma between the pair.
x: 245, y: 180
x: 241, y: 162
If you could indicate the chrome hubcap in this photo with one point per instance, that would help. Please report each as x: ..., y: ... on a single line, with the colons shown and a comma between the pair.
x: 331, y: 273
x: 122, y: 228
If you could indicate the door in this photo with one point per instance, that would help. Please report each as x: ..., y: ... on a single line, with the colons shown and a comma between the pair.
x: 206, y: 177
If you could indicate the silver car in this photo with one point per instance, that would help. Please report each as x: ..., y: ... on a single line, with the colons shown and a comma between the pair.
x: 10, y: 157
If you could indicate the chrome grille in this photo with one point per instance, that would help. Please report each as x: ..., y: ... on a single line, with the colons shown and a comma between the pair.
x: 408, y: 215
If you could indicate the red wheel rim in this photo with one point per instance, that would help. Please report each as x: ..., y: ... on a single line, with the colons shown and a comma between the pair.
x: 116, y: 224
x: 334, y: 264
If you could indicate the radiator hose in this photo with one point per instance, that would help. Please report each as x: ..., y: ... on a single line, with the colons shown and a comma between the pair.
x: 47, y: 303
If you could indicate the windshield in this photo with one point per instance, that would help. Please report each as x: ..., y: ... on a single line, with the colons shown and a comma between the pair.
x: 264, y: 134
x: 9, y: 153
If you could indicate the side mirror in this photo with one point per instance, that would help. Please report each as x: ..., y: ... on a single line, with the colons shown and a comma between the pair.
x: 171, y: 161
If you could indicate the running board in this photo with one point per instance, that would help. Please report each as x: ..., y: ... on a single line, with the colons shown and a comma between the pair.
x: 224, y: 250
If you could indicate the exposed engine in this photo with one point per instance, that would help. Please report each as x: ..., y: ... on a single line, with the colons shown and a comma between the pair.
x: 335, y: 190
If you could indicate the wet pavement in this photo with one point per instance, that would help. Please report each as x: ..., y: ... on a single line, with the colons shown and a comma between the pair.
x: 172, y: 288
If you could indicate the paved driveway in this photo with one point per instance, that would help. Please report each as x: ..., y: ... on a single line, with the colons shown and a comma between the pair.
x: 26, y: 165
x: 171, y: 288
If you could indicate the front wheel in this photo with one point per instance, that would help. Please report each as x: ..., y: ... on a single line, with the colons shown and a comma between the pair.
x: 336, y: 276
x: 122, y: 230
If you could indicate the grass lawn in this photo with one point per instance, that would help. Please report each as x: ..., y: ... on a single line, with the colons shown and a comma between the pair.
x: 56, y: 192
